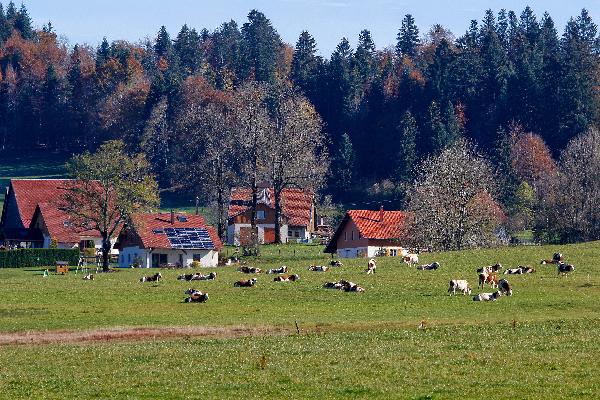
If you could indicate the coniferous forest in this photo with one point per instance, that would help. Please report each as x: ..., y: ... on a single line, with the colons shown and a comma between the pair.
x: 514, y: 84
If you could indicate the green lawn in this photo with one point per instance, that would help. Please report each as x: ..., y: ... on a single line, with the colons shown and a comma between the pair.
x: 543, y: 342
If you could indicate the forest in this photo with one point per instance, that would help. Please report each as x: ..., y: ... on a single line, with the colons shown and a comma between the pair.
x: 511, y: 89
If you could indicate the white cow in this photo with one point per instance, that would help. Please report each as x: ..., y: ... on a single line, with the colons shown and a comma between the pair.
x: 460, y: 285
x: 487, y: 296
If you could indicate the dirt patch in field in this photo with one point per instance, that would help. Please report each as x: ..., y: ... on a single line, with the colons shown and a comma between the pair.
x: 136, y: 334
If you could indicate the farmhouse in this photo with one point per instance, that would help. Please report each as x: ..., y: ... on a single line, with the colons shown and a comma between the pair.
x: 365, y: 233
x: 168, y: 239
x: 298, y: 215
x: 31, y: 216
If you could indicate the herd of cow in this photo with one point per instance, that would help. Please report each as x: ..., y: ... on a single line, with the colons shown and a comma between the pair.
x: 489, y: 276
x: 486, y: 276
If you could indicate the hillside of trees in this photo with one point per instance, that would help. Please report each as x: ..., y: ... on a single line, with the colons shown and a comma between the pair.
x: 512, y: 84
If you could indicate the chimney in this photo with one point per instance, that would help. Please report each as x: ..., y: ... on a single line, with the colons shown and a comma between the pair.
x: 381, y: 214
x: 172, y: 217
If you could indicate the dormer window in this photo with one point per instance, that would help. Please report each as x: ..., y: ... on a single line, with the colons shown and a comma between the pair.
x: 260, y: 215
x: 158, y: 231
x: 181, y: 218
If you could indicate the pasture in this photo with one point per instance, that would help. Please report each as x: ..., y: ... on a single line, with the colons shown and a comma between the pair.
x: 541, y: 342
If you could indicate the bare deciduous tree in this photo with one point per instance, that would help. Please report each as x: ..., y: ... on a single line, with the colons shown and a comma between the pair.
x: 452, y: 202
x: 296, y: 154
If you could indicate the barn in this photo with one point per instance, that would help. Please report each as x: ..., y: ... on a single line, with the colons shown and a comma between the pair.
x: 366, y: 233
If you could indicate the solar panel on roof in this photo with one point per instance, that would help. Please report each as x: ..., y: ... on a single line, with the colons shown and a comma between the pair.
x: 189, y: 238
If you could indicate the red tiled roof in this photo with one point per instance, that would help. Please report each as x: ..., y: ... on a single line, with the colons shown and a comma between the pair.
x: 30, y: 192
x: 58, y: 224
x: 145, y: 224
x: 371, y: 226
x: 296, y: 204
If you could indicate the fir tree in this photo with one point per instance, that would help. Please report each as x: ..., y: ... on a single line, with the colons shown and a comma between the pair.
x: 305, y: 64
x: 365, y: 56
x: 187, y: 48
x: 344, y: 166
x: 4, y: 26
x: 23, y: 23
x: 438, y: 136
x: 408, y: 38
x: 453, y: 127
x: 407, y: 154
x: 262, y: 46
x: 103, y: 53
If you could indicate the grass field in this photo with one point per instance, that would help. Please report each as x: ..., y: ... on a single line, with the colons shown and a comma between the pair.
x: 543, y: 342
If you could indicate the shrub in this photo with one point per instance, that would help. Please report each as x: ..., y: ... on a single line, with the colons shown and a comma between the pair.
x: 37, y: 257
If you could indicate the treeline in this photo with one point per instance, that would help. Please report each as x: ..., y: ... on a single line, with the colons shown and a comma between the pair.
x: 383, y: 110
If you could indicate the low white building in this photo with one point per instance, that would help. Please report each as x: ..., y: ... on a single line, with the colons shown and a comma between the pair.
x: 168, y: 239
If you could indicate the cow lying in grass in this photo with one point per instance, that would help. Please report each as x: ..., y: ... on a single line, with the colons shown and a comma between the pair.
x: 429, y: 267
x: 287, y: 278
x: 371, y: 266
x: 88, y: 277
x: 527, y: 270
x: 196, y: 296
x: 318, y: 268
x: 504, y: 287
x: 557, y: 258
x: 344, y: 285
x: 245, y: 283
x: 461, y: 285
x: 281, y: 270
x: 250, y: 270
x: 198, y: 277
x: 487, y: 296
x: 564, y: 269
x: 153, y: 278
x: 335, y: 263
x: 513, y: 271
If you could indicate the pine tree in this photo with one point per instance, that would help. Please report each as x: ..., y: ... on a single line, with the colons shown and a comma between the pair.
x: 188, y: 50
x: 344, y: 166
x: 227, y: 55
x: 262, y: 47
x: 103, y: 53
x: 408, y: 38
x: 365, y: 57
x: 438, y: 136
x: 407, y: 154
x: 4, y: 26
x: 11, y: 13
x: 453, y: 127
x: 305, y: 64
x: 52, y: 115
x: 23, y: 23
x: 529, y: 25
x: 163, y: 47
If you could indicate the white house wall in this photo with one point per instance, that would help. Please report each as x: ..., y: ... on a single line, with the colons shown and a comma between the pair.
x: 369, y: 251
x: 233, y: 232
x: 209, y: 258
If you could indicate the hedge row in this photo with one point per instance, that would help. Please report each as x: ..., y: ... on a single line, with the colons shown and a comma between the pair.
x: 37, y: 257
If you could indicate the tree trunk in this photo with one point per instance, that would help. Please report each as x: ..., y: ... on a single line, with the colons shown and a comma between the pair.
x: 220, y: 211
x: 105, y: 252
x: 277, y: 195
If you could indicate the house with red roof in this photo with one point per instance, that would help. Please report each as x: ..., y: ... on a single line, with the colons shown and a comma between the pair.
x: 366, y: 233
x: 298, y: 215
x: 168, y: 239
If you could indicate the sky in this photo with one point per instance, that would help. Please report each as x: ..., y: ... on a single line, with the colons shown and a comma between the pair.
x: 88, y: 21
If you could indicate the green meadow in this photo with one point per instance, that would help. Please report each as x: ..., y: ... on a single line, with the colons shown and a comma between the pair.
x: 543, y: 342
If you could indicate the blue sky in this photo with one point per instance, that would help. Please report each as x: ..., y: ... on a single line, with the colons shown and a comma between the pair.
x: 328, y: 20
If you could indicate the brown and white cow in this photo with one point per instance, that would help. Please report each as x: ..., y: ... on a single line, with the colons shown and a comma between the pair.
x: 371, y: 266
x: 153, y: 278
x: 490, y: 279
x: 557, y: 258
x: 411, y: 259
x: 287, y: 278
x: 527, y: 269
x: 250, y: 270
x: 245, y: 283
x: 196, y: 296
x: 461, y: 285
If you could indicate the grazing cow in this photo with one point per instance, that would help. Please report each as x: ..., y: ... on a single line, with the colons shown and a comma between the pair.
x: 336, y: 263
x: 487, y: 296
x: 287, y: 278
x: 248, y: 283
x: 513, y: 271
x: 281, y: 270
x: 460, y: 285
x: 504, y: 287
x: 318, y: 268
x: 250, y: 270
x: 196, y: 296
x: 564, y: 269
x: 153, y: 278
x: 411, y: 259
x: 88, y: 277
x: 429, y: 267
x: 371, y: 266
x: 490, y: 279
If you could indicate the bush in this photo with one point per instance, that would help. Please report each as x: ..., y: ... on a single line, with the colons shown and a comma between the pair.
x: 37, y: 257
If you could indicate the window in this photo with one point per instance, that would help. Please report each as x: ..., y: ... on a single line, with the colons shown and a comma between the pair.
x: 260, y: 215
x: 393, y: 252
x: 181, y: 218
x: 352, y: 235
x: 345, y: 235
x: 296, y: 233
x: 158, y: 260
x: 290, y: 233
